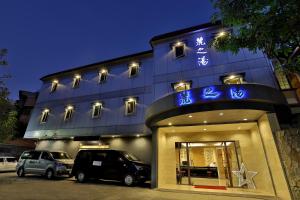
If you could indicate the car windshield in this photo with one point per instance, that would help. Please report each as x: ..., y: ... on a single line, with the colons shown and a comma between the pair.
x: 130, y: 157
x: 60, y: 155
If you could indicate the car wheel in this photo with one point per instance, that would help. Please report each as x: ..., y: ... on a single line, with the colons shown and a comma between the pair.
x: 129, y: 180
x: 81, y: 177
x: 21, y: 172
x: 49, y: 174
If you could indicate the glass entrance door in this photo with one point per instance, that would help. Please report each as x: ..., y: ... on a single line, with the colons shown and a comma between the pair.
x: 206, y: 163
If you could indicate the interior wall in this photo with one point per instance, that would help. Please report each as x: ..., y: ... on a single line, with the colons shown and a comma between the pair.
x: 251, y: 150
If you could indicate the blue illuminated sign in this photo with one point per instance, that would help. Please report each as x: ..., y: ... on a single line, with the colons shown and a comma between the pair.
x: 237, y: 93
x: 210, y: 93
x: 185, y: 98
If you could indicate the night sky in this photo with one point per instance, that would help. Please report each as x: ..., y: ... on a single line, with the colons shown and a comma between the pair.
x: 47, y: 36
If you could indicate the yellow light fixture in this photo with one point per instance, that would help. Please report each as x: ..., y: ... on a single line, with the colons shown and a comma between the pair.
x: 103, y: 71
x: 97, y: 104
x: 55, y: 81
x: 190, y: 116
x: 70, y: 107
x: 77, y: 76
x: 131, y: 99
x: 134, y: 64
x: 204, y: 129
x: 46, y: 110
x: 221, y: 34
x: 221, y: 114
x: 179, y: 43
x: 137, y: 135
x: 204, y: 121
x: 170, y: 124
x: 245, y: 119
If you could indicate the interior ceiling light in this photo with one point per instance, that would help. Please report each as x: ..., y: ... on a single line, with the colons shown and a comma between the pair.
x: 190, y: 116
x: 221, y: 114
x: 170, y: 124
x: 204, y: 121
x: 245, y: 119
x: 204, y: 129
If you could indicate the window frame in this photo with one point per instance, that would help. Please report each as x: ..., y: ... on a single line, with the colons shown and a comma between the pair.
x: 241, y: 75
x: 183, y: 50
x: 45, y: 116
x: 76, y: 81
x: 54, y: 86
x: 126, y: 103
x: 136, y: 65
x: 94, y: 105
x: 190, y: 82
x: 102, y: 74
x: 71, y: 110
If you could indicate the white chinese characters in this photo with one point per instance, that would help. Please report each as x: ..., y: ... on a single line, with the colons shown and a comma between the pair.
x: 202, y: 59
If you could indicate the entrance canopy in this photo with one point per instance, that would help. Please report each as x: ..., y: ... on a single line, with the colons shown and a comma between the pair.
x: 236, y: 102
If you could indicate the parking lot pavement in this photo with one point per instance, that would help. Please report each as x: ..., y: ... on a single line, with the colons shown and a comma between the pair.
x: 38, y: 188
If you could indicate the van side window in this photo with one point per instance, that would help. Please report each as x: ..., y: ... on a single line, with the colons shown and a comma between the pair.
x: 35, y: 155
x: 26, y: 155
x: 11, y: 160
x: 46, y: 156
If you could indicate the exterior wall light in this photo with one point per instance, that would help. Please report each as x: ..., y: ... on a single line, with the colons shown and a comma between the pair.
x: 76, y: 81
x: 54, y: 85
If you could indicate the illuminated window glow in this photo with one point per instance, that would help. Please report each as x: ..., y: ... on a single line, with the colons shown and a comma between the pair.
x: 45, y: 115
x: 181, y: 86
x: 54, y: 85
x: 76, y: 81
x: 233, y: 79
x: 130, y: 106
x: 97, y: 108
x: 103, y: 75
x: 68, y: 112
x: 133, y: 69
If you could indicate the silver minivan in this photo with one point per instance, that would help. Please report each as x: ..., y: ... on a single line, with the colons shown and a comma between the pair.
x: 50, y: 164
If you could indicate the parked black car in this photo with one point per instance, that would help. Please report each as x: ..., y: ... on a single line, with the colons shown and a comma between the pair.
x: 110, y: 165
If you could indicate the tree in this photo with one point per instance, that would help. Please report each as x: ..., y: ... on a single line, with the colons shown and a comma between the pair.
x: 7, y: 111
x: 272, y: 26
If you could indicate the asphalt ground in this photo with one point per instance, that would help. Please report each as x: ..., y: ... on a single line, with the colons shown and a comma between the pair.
x: 33, y: 187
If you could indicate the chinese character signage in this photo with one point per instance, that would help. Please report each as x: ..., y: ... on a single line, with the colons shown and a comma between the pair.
x: 201, y: 51
x: 210, y: 93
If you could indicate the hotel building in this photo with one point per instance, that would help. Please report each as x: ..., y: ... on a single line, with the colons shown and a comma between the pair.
x: 199, y: 116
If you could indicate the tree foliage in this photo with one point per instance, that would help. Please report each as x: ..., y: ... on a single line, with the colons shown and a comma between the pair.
x: 8, y: 115
x: 272, y: 26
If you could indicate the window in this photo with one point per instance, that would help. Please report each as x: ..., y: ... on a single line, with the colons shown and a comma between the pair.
x: 233, y: 79
x: 182, y: 85
x: 97, y: 107
x: 54, y: 85
x: 103, y: 75
x: 179, y: 49
x: 45, y: 115
x: 282, y: 80
x: 76, y: 81
x: 130, y: 106
x: 35, y: 155
x: 133, y: 69
x: 68, y: 112
x: 46, y: 156
x: 11, y: 160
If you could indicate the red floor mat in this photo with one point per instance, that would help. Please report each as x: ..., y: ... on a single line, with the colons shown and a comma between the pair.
x: 210, y: 187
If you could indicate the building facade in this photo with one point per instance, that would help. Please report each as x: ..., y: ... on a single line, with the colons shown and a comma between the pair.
x: 202, y: 118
